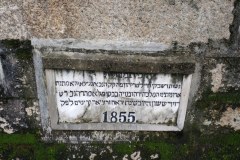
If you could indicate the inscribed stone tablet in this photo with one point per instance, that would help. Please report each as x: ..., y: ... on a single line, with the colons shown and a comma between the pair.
x: 100, y: 97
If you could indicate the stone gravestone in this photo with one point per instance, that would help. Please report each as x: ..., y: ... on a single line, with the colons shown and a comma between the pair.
x: 98, y: 92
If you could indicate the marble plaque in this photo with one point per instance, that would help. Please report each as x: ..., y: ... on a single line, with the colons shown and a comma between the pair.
x: 116, y: 101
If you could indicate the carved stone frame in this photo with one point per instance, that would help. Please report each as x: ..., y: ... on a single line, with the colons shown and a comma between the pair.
x: 47, y: 62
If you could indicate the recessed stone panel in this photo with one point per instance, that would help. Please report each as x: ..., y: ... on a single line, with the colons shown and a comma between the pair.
x: 96, y: 91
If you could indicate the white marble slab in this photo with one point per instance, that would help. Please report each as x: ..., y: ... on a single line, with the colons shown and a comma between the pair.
x: 88, y: 100
x: 97, y: 97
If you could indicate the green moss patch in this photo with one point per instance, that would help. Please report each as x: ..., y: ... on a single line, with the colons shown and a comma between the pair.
x: 123, y: 148
x: 216, y: 100
x: 222, y: 146
x: 11, y: 43
x: 225, y: 97
x: 18, y: 139
x: 24, y: 53
x: 218, y: 146
x: 28, y: 146
x: 22, y: 49
x: 163, y: 149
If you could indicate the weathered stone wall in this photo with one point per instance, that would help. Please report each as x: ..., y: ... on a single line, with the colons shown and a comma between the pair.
x: 207, y: 30
x: 18, y: 88
x: 162, y: 21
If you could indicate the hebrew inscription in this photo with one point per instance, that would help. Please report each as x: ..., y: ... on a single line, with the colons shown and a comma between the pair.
x: 103, y: 97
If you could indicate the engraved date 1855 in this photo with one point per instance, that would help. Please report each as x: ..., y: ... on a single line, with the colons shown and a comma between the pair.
x: 122, y: 117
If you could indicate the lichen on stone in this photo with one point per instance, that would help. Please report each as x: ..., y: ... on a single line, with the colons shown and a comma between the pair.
x: 217, y: 75
x: 230, y: 118
x: 5, y: 126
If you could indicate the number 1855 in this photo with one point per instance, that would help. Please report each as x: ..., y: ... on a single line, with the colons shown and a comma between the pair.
x: 122, y: 117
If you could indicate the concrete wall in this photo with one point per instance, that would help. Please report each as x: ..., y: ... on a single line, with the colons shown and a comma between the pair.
x: 207, y: 30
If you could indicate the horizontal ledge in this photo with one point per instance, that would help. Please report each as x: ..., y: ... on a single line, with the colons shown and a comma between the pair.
x: 120, y: 65
x: 100, y: 44
x: 119, y: 127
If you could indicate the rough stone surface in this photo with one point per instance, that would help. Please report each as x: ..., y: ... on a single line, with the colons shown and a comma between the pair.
x: 212, y: 122
x: 12, y: 118
x: 12, y: 24
x: 161, y: 21
x: 17, y: 76
x: 235, y: 27
x: 17, y: 87
x: 232, y: 75
x: 231, y: 118
x: 217, y: 77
